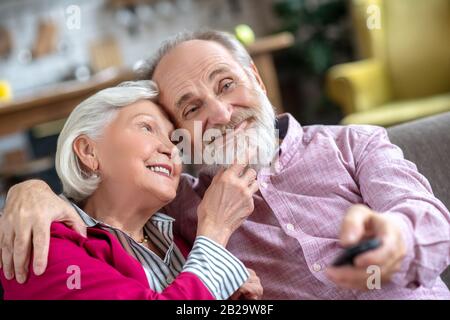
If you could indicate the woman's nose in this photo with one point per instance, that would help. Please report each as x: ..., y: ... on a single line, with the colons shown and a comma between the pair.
x: 166, y: 147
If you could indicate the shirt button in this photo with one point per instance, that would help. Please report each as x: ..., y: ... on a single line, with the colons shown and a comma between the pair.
x: 316, y: 267
x: 263, y: 184
x: 290, y: 227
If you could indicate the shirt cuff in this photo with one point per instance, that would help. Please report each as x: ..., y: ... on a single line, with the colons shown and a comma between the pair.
x: 220, y: 271
x: 405, y: 276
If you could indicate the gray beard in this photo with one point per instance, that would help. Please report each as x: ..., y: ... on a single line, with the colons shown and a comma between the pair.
x: 263, y: 138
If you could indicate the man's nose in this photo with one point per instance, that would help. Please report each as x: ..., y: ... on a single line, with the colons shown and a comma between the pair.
x: 219, y: 113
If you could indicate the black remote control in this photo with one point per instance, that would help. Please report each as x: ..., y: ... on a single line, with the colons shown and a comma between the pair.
x: 348, y: 256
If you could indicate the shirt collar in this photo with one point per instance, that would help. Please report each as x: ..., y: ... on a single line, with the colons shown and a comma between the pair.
x: 290, y: 132
x: 160, y: 221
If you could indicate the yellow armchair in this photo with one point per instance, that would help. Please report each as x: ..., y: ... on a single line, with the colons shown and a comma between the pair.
x: 406, y: 71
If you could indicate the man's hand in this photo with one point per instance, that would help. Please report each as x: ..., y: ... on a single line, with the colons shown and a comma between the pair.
x: 250, y: 290
x: 30, y: 209
x: 359, y: 223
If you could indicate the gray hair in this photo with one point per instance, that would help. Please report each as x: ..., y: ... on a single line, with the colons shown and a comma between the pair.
x: 90, y: 118
x: 225, y: 39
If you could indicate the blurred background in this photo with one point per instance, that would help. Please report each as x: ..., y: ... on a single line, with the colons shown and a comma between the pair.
x: 380, y: 62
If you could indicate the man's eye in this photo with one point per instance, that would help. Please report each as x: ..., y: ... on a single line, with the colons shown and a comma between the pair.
x: 190, y: 111
x: 226, y: 85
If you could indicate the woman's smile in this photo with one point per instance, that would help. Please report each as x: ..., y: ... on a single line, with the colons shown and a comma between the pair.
x: 161, y: 169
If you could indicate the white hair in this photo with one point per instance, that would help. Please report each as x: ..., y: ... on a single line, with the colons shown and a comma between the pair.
x: 227, y: 40
x: 90, y: 118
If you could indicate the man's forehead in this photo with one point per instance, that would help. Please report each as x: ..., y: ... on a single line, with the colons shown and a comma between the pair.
x: 188, y: 62
x: 190, y: 53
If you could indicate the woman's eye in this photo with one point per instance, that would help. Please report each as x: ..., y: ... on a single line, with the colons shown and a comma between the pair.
x: 147, y: 127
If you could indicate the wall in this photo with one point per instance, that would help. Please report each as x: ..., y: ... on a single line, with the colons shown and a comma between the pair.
x: 157, y: 21
x: 97, y: 20
x: 160, y: 20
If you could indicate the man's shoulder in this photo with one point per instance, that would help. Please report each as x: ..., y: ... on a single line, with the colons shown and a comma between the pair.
x: 348, y: 134
x: 349, y: 141
x: 319, y: 132
x: 340, y: 130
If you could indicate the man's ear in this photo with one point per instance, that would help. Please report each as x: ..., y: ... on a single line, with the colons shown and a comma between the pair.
x: 258, y: 77
x: 85, y: 149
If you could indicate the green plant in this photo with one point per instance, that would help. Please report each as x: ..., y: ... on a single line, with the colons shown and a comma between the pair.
x: 322, y: 31
x: 321, y: 28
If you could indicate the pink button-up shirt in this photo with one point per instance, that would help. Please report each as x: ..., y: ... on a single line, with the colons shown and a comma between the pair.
x: 292, y: 236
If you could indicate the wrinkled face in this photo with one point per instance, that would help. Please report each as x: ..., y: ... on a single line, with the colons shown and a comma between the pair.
x: 202, y: 85
x: 135, y: 152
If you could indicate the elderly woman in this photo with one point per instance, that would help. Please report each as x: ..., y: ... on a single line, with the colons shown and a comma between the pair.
x: 118, y: 167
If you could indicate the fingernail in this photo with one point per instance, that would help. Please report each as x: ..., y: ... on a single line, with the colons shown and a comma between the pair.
x: 8, y: 275
x: 20, y: 278
x: 38, y: 269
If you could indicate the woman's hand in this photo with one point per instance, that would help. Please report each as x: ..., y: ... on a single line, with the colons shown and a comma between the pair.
x: 227, y: 203
x: 250, y: 290
x: 30, y: 209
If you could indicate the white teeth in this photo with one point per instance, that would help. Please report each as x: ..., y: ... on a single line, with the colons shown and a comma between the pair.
x: 160, y: 169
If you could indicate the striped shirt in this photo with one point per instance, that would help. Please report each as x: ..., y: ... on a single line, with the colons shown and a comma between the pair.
x: 220, y: 271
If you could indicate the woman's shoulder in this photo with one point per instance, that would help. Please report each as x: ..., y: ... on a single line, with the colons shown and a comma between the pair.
x: 71, y: 256
x: 66, y: 254
x: 67, y: 244
x: 63, y: 238
x: 98, y: 243
x: 59, y: 230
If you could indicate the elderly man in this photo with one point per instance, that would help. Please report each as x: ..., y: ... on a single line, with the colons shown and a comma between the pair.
x: 324, y: 187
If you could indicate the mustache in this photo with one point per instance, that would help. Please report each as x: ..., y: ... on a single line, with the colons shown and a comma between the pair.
x: 262, y: 135
x: 236, y: 118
